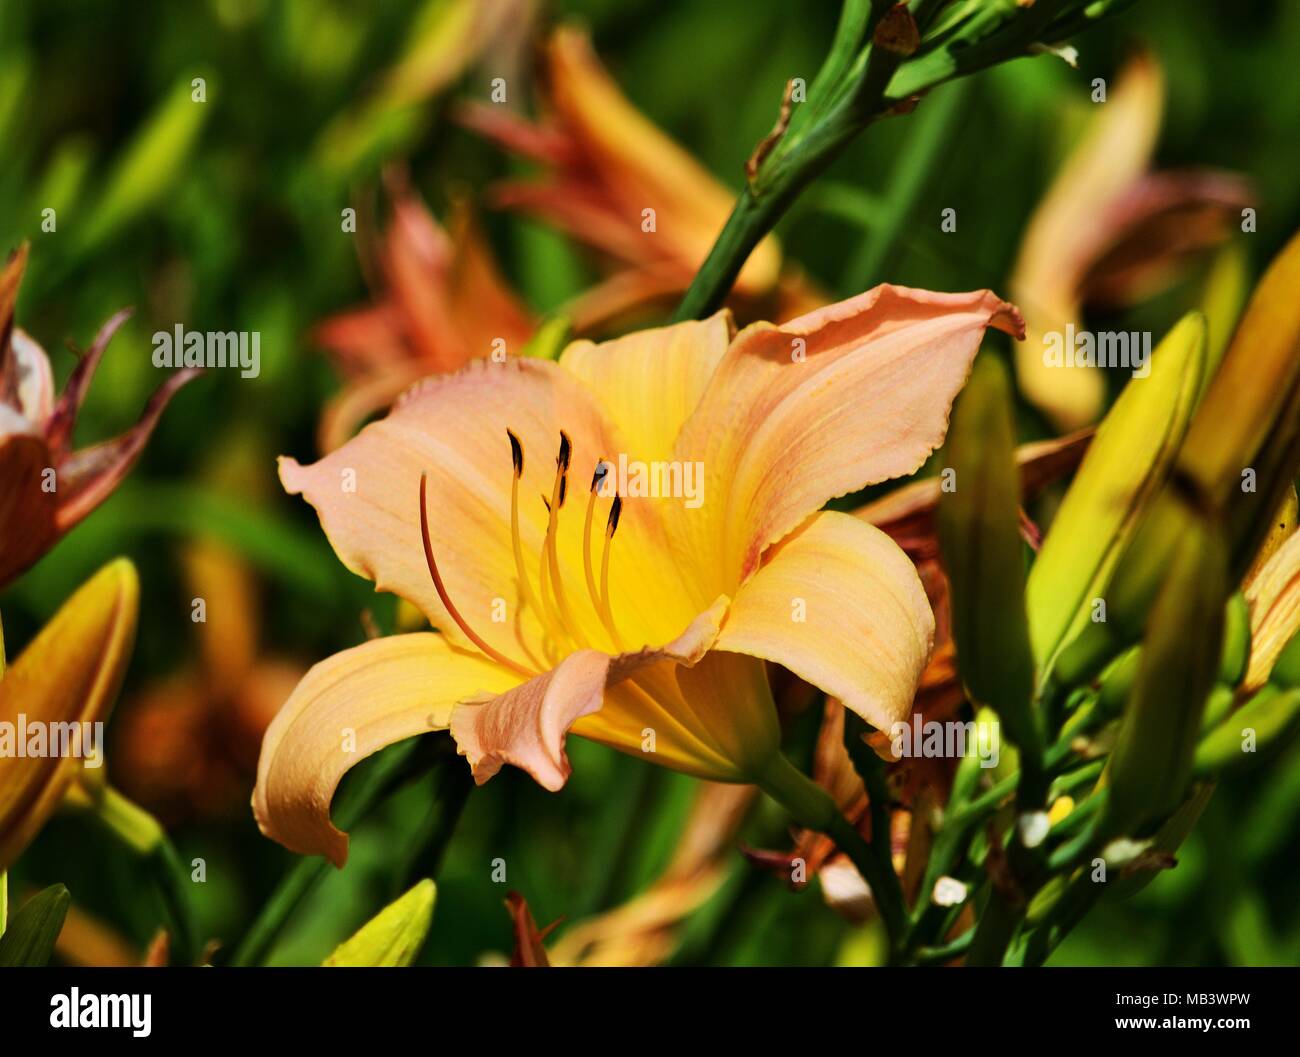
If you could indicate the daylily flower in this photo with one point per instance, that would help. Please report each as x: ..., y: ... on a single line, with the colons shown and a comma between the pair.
x: 1110, y: 233
x: 642, y: 623
x: 69, y: 674
x: 440, y: 303
x: 607, y: 165
x: 45, y: 486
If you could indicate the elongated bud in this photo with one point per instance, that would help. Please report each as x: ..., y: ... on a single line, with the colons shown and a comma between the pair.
x: 598, y: 478
x: 1151, y: 765
x: 1117, y: 683
x: 1250, y: 419
x: 1242, y: 736
x: 67, y: 677
x: 392, y: 937
x: 1247, y: 429
x: 566, y: 453
x: 1236, y: 640
x: 615, y: 511
x: 1129, y: 460
x: 979, y: 537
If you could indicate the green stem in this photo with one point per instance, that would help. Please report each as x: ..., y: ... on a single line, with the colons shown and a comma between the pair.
x: 863, y: 90
x: 648, y: 787
x: 454, y: 786
x: 390, y: 770
x: 368, y: 788
x: 814, y: 808
x: 997, y: 927
x: 1079, y: 898
x: 871, y: 769
x: 947, y: 952
x: 142, y: 833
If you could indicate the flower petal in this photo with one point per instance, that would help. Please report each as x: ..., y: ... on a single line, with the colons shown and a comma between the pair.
x: 11, y: 277
x: 63, y: 418
x: 828, y: 403
x: 907, y: 513
x: 69, y: 674
x: 454, y: 429
x: 1274, y: 599
x: 650, y: 381
x: 90, y: 475
x: 526, y: 726
x: 33, y: 378
x: 1064, y: 237
x: 27, y: 511
x: 842, y: 607
x: 346, y: 708
x: 641, y: 167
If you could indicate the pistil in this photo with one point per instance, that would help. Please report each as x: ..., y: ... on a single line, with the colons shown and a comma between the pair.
x: 447, y: 603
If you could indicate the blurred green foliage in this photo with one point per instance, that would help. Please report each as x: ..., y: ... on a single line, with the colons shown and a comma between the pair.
x: 226, y: 216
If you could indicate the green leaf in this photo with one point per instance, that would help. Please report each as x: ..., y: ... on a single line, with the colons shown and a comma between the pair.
x: 979, y: 535
x: 394, y: 935
x: 154, y: 158
x: 1130, y: 458
x: 29, y: 939
x: 552, y: 335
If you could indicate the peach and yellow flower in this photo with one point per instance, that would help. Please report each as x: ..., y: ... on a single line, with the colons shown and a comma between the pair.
x: 617, y: 183
x: 46, y: 487
x: 440, y: 302
x: 641, y: 623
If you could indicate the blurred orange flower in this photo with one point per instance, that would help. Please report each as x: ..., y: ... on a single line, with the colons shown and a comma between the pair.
x: 618, y: 184
x: 439, y: 303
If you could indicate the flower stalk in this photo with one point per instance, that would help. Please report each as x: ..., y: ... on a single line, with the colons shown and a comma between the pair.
x: 859, y: 84
x: 140, y: 832
x: 813, y: 807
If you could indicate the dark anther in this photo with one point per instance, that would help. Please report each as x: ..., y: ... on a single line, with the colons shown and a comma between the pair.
x: 516, y: 453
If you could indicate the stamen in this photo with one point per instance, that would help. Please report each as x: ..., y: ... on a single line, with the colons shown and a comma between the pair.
x: 521, y: 573
x: 607, y: 613
x: 602, y: 470
x: 552, y: 523
x: 438, y: 585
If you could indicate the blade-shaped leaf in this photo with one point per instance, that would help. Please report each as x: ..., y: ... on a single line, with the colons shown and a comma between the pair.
x: 29, y: 940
